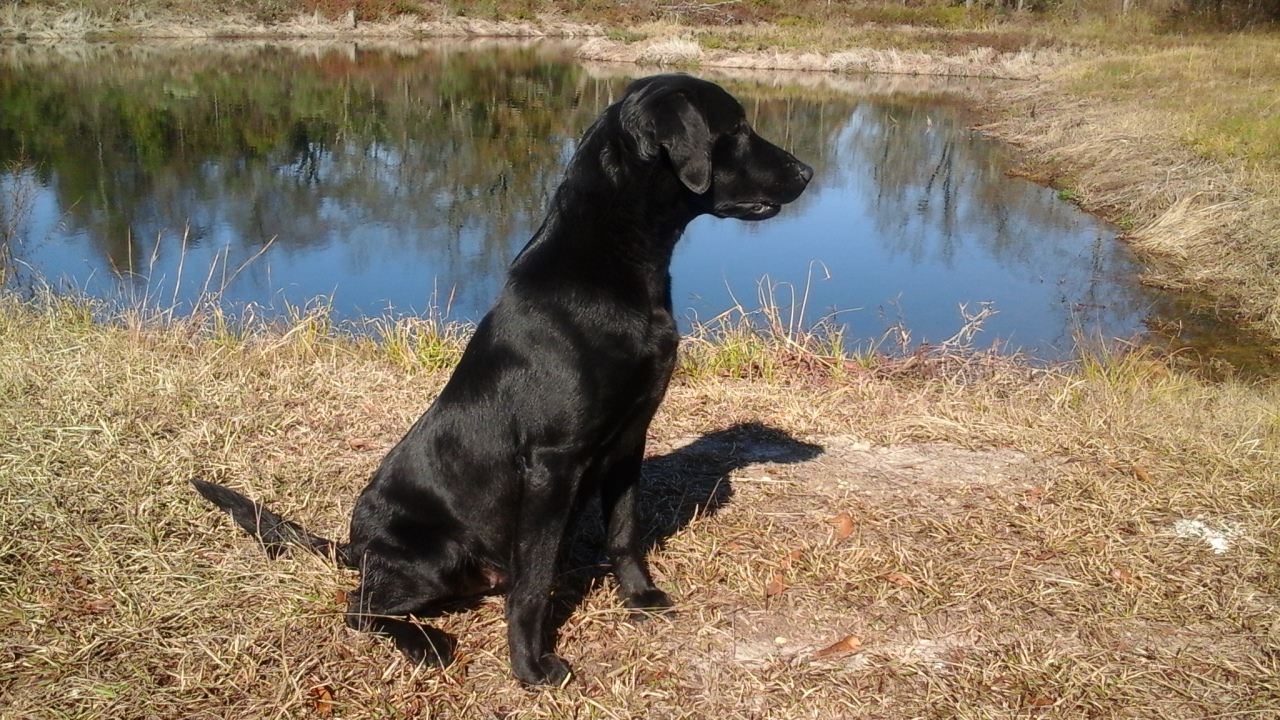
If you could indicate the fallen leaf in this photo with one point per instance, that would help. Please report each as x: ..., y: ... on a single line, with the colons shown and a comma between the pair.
x: 1035, y: 494
x: 342, y: 598
x: 790, y: 558
x: 843, y: 523
x: 1040, y: 702
x: 360, y: 444
x: 1141, y: 473
x: 1122, y: 575
x: 775, y: 586
x: 323, y: 700
x: 99, y: 606
x: 847, y: 645
x: 902, y: 579
x: 1000, y: 683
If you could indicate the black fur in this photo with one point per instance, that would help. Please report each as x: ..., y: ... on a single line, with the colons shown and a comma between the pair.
x: 554, y: 394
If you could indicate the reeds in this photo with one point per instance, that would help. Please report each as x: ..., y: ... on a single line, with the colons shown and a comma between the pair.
x: 17, y: 198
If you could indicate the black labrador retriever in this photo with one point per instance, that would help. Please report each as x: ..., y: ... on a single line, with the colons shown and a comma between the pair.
x: 554, y: 394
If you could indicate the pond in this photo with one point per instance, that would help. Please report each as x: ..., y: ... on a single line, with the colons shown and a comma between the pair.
x: 403, y: 179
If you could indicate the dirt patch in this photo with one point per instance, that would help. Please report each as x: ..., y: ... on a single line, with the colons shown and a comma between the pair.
x: 861, y: 480
x: 933, y: 477
x: 921, y: 570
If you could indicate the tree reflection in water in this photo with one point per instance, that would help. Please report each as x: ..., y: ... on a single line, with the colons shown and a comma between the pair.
x: 409, y: 176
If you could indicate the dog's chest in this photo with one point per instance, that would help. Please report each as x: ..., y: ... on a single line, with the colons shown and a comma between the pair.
x: 663, y: 341
x: 636, y: 376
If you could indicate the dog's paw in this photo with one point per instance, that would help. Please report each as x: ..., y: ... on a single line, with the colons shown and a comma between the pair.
x: 648, y: 603
x: 431, y: 647
x: 550, y: 669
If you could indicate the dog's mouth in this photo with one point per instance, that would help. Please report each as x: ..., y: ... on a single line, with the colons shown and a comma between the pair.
x: 748, y: 210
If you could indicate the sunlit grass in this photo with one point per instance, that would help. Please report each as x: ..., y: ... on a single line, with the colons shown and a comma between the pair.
x: 776, y: 338
x: 431, y: 343
x: 1221, y: 96
x: 1040, y: 577
x: 1180, y: 143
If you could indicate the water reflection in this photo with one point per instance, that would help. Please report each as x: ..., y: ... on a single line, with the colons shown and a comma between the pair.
x: 915, y: 215
x: 407, y: 178
x: 370, y: 173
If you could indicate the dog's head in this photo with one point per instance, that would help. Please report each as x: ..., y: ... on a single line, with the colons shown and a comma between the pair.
x: 702, y: 133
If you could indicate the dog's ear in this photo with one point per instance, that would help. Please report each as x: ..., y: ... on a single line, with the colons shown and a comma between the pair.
x: 682, y: 130
x: 672, y: 122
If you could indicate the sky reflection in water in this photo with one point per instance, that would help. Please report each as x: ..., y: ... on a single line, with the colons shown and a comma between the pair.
x: 405, y: 181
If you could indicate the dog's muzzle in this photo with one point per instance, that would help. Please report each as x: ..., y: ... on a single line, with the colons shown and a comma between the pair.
x: 765, y: 208
x: 748, y: 210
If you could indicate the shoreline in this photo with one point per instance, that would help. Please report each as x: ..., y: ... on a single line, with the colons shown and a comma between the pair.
x: 682, y: 51
x: 52, y: 25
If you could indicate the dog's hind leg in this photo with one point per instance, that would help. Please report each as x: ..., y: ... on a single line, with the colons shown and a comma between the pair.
x: 421, y: 644
x: 382, y: 604
x: 552, y: 484
x: 619, y: 497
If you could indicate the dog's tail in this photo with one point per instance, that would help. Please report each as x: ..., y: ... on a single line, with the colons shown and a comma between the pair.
x: 274, y: 532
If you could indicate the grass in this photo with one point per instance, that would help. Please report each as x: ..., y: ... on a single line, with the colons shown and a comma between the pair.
x: 1179, y: 145
x: 1000, y: 541
x: 1228, y: 107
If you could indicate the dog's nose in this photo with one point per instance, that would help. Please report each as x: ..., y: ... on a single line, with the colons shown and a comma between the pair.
x: 806, y: 173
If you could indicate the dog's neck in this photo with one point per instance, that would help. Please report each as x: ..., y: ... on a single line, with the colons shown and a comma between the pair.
x: 615, y: 189
x: 616, y: 212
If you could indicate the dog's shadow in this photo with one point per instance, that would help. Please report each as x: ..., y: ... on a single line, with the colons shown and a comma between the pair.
x: 689, y: 482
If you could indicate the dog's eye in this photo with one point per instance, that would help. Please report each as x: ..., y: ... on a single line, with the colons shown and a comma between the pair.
x: 742, y: 129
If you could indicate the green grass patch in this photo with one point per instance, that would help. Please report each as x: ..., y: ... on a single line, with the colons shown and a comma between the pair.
x: 1222, y: 95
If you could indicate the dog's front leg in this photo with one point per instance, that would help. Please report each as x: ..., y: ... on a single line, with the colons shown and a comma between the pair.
x: 551, y: 486
x: 619, y: 498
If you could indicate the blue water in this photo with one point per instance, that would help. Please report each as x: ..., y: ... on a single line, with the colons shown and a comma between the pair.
x: 379, y: 182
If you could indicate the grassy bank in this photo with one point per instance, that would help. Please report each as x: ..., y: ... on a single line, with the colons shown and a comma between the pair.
x: 948, y: 537
x: 1177, y: 144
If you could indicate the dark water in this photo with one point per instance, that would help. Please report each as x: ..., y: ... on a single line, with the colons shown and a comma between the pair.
x: 405, y: 179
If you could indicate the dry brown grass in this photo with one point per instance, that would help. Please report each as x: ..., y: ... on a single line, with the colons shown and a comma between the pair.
x: 1179, y: 147
x: 1001, y: 541
x: 835, y: 49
